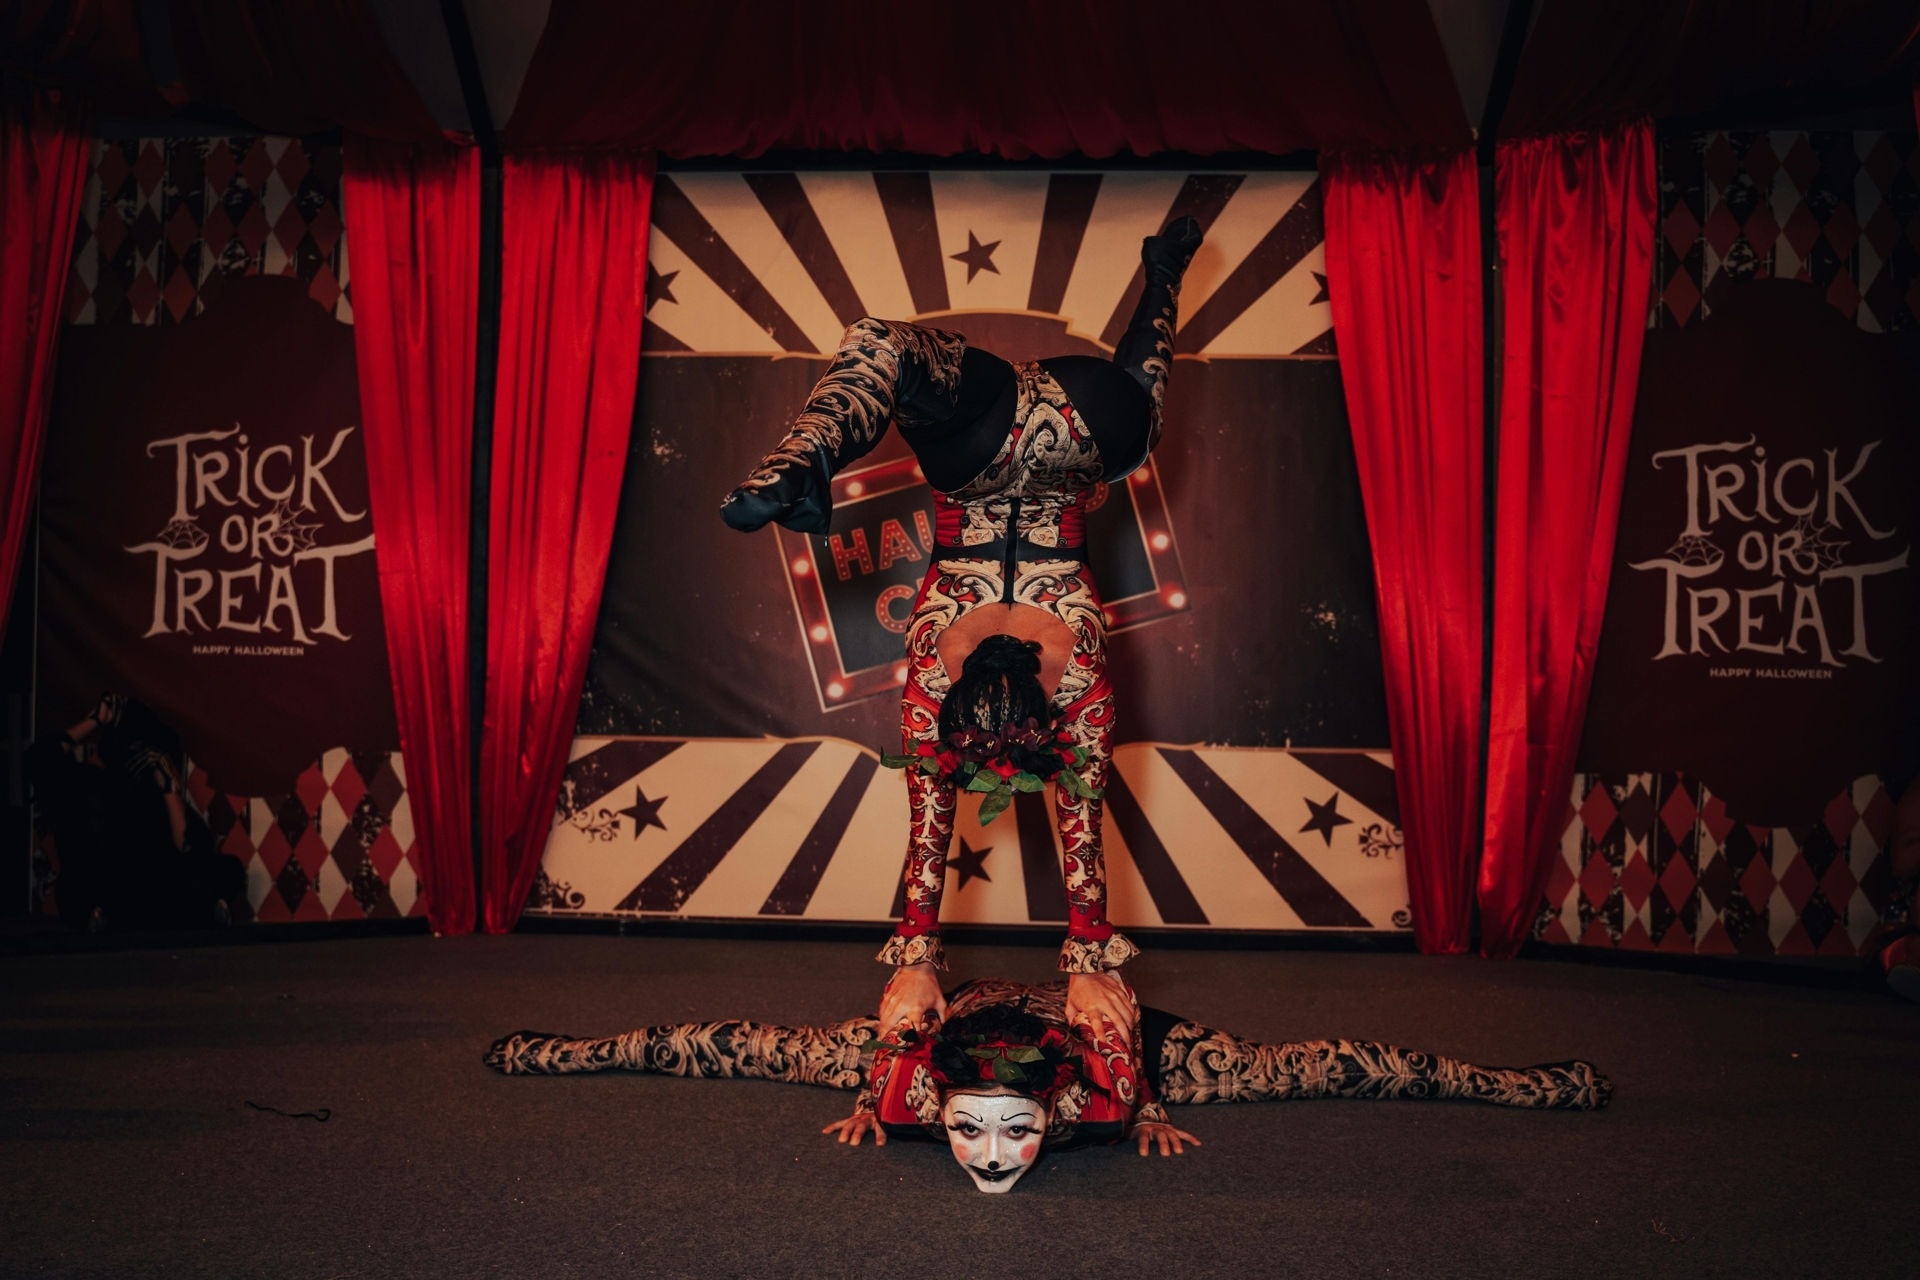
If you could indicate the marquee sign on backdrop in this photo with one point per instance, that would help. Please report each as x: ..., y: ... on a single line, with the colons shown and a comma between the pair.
x: 206, y: 543
x: 741, y: 685
x: 1758, y: 680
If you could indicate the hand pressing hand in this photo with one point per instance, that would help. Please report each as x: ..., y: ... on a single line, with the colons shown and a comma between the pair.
x: 913, y: 1001
x: 1101, y: 1004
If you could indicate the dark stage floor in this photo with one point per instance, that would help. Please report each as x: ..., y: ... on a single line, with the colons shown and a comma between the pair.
x: 1760, y: 1129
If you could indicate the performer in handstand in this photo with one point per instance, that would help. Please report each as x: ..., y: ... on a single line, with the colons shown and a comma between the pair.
x: 1013, y: 453
x: 1004, y: 1078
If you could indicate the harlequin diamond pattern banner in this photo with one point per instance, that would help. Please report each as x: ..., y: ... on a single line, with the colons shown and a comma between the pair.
x: 815, y: 829
x: 206, y: 543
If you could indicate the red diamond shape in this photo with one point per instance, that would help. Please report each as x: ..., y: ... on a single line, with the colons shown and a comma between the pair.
x: 347, y: 787
x: 1678, y: 813
x: 312, y: 852
x: 293, y: 164
x: 348, y: 908
x: 110, y: 233
x: 287, y: 229
x: 253, y: 230
x: 216, y: 232
x: 1677, y: 881
x: 1757, y: 882
x: 385, y: 854
x: 1681, y: 295
x: 1636, y: 879
x: 1802, y: 162
x: 1598, y: 811
x: 1635, y: 937
x: 273, y: 910
x: 1802, y: 230
x: 1681, y: 229
x: 1596, y: 880
x: 1838, y: 942
x: 151, y: 166
x: 1842, y: 231
x: 1798, y: 883
x: 219, y: 167
x: 324, y: 227
x: 1844, y: 293
x: 1881, y: 163
x: 311, y: 787
x: 1763, y: 235
x: 182, y: 230
x: 1721, y: 163
x: 1595, y: 934
x: 1555, y: 932
x: 1796, y: 943
x: 1840, y: 817
x: 1839, y: 884
x: 1760, y: 162
x: 1714, y: 942
x: 1883, y: 230
x: 179, y: 294
x: 310, y: 908
x: 110, y: 166
x: 143, y: 296
x: 256, y: 166
x: 274, y: 851
x: 324, y: 288
x: 1677, y: 939
x: 1560, y: 882
x: 1722, y: 229
x: 1714, y: 814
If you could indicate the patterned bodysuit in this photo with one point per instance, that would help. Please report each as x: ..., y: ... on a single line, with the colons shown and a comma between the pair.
x: 1009, y: 529
x: 1167, y: 1061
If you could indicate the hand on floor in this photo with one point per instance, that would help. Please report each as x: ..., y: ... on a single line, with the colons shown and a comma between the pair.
x: 1172, y: 1141
x: 858, y: 1125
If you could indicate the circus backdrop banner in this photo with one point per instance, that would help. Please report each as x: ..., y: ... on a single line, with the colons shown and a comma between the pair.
x: 205, y: 535
x: 742, y: 685
x: 1757, y: 689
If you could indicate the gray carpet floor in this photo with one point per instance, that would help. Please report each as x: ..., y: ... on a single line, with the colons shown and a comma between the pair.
x: 1759, y: 1129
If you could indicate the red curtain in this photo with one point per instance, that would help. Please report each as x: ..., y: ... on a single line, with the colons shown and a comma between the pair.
x: 1011, y: 78
x: 414, y: 214
x: 1403, y: 278
x: 573, y: 293
x: 1576, y: 222
x: 43, y: 169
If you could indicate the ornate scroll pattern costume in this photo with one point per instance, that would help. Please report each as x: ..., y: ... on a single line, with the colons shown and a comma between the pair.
x: 1120, y: 1089
x: 1036, y: 490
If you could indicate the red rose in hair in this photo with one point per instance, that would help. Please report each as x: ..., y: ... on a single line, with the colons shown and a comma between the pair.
x: 1004, y: 767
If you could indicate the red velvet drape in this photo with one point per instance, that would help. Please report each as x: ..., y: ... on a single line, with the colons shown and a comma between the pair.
x: 414, y: 215
x: 1576, y: 222
x: 573, y: 294
x: 1403, y: 278
x: 43, y: 168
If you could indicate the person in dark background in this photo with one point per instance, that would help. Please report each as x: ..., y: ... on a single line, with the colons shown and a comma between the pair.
x: 133, y: 851
x: 1014, y: 453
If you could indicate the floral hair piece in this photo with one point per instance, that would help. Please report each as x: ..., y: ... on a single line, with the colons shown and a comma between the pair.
x: 1020, y: 757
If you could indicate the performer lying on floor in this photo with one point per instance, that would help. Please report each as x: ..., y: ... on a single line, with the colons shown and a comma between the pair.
x: 1013, y: 453
x: 1003, y: 1079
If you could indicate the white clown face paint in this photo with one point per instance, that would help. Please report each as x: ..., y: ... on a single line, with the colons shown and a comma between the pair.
x: 994, y: 1136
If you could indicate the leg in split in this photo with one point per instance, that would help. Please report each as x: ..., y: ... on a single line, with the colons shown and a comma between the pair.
x: 825, y: 1056
x: 1199, y: 1064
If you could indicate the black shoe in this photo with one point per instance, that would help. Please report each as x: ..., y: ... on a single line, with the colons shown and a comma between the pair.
x: 1166, y: 255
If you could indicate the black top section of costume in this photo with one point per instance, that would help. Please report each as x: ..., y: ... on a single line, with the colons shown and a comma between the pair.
x: 955, y: 446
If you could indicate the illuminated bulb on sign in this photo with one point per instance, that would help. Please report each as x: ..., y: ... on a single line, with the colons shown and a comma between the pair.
x: 855, y: 488
x: 1178, y: 599
x: 1160, y: 541
x: 819, y: 633
x: 836, y: 690
x: 900, y: 674
x: 801, y: 568
x: 1140, y: 476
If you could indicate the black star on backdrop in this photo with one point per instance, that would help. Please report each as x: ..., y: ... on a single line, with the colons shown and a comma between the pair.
x: 1325, y: 817
x: 978, y: 257
x: 1321, y: 280
x: 971, y: 863
x: 659, y: 287
x: 644, y: 812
